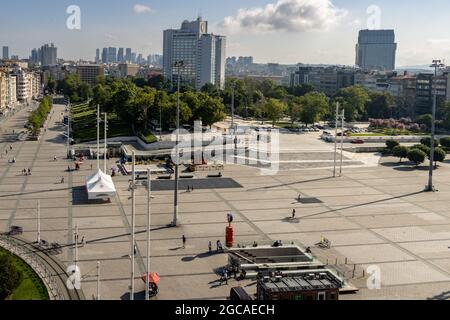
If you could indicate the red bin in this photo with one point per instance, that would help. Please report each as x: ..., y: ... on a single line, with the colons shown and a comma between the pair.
x: 229, y: 238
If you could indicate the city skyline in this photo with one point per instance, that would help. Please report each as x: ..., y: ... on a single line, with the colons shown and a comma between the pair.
x: 327, y: 34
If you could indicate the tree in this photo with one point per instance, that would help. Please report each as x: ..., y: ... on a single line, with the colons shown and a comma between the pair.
x: 425, y: 119
x: 211, y: 90
x: 301, y: 90
x: 10, y: 277
x: 380, y: 105
x: 427, y: 142
x: 444, y: 110
x: 51, y: 85
x: 417, y: 156
x: 294, y: 110
x: 354, y: 100
x: 274, y: 110
x: 445, y: 142
x: 400, y: 152
x: 391, y: 144
x: 313, y: 106
x: 422, y: 147
x: 144, y: 101
x: 72, y: 87
x: 439, y: 156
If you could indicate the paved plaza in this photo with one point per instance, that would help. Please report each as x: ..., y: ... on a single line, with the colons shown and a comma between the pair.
x: 375, y: 214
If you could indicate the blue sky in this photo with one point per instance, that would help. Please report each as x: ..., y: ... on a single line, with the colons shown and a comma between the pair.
x: 327, y: 32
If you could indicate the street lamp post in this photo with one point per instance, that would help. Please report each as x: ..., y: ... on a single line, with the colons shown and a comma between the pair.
x: 98, y: 136
x: 335, y: 139
x: 342, y: 141
x: 133, y: 224
x: 160, y: 123
x: 232, y: 106
x: 178, y: 65
x: 98, y: 280
x: 149, y: 190
x: 68, y: 128
x: 39, y: 222
x: 436, y: 65
x: 106, y: 144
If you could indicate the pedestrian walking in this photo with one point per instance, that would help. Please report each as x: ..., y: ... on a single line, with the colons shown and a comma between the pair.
x: 293, y: 213
x: 29, y: 171
x: 188, y: 189
x: 299, y: 198
x: 91, y: 166
x: 225, y: 274
x: 135, y: 249
x: 184, y: 241
x: 192, y: 188
x: 62, y: 180
x: 83, y: 242
x: 10, y: 147
x: 54, y: 158
x: 210, y: 247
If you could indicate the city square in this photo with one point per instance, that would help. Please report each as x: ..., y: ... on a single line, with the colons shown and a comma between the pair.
x: 375, y: 214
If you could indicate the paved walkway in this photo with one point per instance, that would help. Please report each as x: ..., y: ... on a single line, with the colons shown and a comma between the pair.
x: 373, y: 215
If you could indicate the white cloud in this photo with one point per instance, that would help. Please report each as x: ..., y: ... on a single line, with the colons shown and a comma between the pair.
x: 438, y: 41
x: 286, y: 15
x: 141, y: 8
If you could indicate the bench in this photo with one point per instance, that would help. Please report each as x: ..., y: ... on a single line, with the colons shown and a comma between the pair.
x: 165, y: 177
x: 217, y: 175
x: 187, y: 176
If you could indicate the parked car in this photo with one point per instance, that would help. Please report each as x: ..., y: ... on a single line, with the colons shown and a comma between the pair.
x: 358, y: 141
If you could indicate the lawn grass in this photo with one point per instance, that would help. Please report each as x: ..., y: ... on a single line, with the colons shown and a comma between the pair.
x: 84, y: 125
x: 367, y: 135
x: 31, y: 287
x: 148, y: 137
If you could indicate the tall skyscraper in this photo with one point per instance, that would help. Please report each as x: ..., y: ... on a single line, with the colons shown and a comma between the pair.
x: 128, y: 55
x: 112, y: 55
x: 120, y: 55
x: 36, y: 55
x: 140, y: 59
x: 6, y: 53
x: 105, y: 55
x: 97, y: 56
x: 203, y: 54
x: 49, y: 55
x: 376, y: 49
x: 133, y: 57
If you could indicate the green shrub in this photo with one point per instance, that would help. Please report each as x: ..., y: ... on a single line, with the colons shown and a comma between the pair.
x: 445, y: 142
x: 10, y: 277
x: 400, y: 152
x: 422, y: 147
x: 417, y: 156
x: 427, y: 141
x: 439, y: 155
x: 391, y: 144
x: 37, y: 117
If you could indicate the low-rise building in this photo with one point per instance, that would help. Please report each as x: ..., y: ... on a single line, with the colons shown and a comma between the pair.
x: 305, y: 285
x: 128, y: 70
x: 89, y: 73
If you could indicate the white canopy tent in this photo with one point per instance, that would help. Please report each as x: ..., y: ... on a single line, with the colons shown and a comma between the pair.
x: 100, y: 186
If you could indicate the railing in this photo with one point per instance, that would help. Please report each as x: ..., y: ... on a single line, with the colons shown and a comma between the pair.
x: 51, y: 280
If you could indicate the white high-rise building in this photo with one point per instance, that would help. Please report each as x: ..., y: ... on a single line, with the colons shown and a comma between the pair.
x: 203, y: 55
